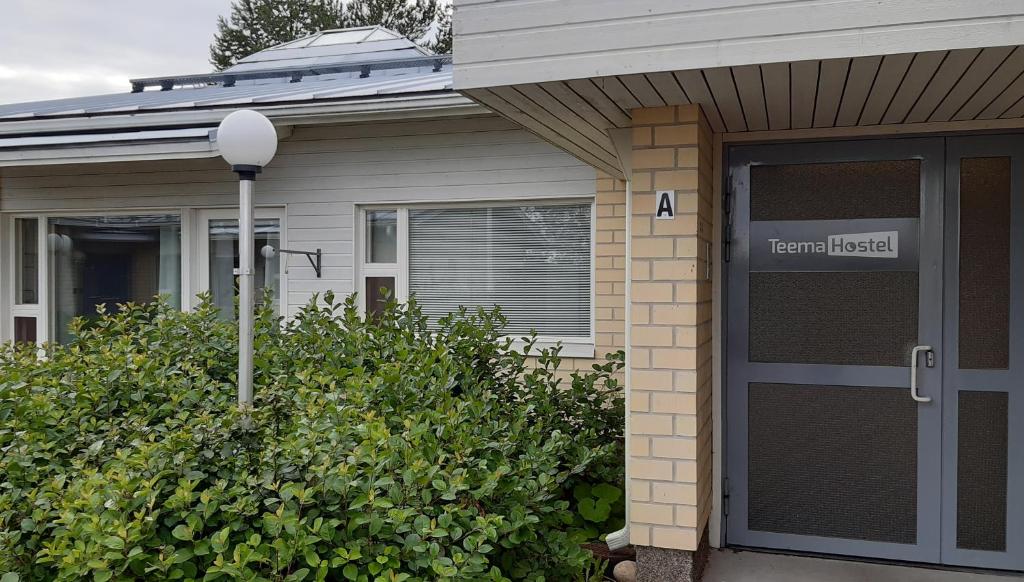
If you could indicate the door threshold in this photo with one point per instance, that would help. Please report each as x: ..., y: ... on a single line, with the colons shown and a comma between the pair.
x: 868, y: 560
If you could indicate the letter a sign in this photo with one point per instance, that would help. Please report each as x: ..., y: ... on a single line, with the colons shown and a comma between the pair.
x: 666, y: 207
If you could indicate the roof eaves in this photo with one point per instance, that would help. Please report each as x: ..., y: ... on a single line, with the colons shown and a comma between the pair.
x: 420, y: 105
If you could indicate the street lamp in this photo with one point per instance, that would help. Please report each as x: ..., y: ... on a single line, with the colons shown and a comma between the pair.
x: 248, y: 141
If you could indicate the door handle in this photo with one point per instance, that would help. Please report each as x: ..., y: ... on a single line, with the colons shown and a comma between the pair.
x: 913, y: 373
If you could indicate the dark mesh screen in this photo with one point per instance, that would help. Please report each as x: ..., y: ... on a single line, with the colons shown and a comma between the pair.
x: 847, y: 318
x: 984, y: 263
x: 833, y: 191
x: 833, y: 461
x: 981, y: 471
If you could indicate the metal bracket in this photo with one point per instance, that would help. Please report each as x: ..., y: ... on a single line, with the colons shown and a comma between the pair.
x: 315, y: 259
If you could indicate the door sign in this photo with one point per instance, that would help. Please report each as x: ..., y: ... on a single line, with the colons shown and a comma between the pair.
x: 886, y: 244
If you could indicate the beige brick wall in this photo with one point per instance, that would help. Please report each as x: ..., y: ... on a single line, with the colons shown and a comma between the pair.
x: 670, y: 408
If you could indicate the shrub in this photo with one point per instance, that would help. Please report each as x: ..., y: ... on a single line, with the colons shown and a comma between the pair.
x: 381, y: 450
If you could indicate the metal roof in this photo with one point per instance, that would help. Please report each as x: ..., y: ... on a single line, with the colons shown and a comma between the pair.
x: 313, y: 70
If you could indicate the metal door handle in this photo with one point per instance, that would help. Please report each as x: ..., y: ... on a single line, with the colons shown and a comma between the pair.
x: 913, y: 373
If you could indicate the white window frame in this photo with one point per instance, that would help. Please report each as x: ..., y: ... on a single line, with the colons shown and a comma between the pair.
x: 572, y: 347
x: 42, y: 310
x: 202, y: 274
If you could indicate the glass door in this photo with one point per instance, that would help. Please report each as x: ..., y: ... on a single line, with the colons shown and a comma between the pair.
x: 834, y: 386
x: 983, y: 430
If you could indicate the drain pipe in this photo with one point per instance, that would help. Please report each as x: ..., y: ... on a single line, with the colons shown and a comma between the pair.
x: 622, y: 139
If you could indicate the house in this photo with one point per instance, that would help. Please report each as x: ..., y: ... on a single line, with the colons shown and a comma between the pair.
x: 396, y: 180
x: 800, y: 219
x: 824, y: 336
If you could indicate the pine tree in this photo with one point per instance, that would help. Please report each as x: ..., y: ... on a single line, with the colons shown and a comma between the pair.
x: 410, y: 18
x: 442, y: 43
x: 258, y: 24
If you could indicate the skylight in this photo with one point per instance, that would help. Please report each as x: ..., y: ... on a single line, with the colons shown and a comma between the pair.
x: 341, y: 37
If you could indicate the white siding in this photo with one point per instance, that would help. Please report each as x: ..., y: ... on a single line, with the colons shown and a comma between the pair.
x: 320, y: 174
x: 509, y: 42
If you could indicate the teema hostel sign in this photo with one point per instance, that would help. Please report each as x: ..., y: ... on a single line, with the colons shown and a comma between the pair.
x: 665, y: 205
x: 887, y: 244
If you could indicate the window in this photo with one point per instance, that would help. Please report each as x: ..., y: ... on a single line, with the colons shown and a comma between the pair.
x: 26, y: 261
x: 110, y: 260
x: 533, y: 260
x: 26, y: 310
x: 219, y: 248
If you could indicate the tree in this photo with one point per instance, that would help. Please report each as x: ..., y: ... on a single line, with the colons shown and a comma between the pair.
x: 255, y: 25
x: 442, y: 44
x: 258, y: 24
x: 410, y: 18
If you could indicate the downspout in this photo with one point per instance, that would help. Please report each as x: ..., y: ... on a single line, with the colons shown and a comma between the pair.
x: 622, y: 140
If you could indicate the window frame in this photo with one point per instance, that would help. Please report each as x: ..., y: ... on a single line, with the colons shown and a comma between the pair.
x: 42, y: 310
x: 572, y: 346
x: 202, y: 249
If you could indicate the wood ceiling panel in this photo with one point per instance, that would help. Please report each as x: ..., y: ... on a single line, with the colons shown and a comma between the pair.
x: 618, y: 93
x: 641, y: 88
x: 831, y: 84
x: 751, y: 91
x: 502, y: 107
x: 803, y: 93
x: 982, y: 68
x: 1000, y: 79
x: 1007, y: 99
x: 602, y: 150
x: 776, y: 94
x: 922, y: 70
x: 858, y: 86
x: 952, y: 69
x: 668, y: 87
x: 724, y: 91
x: 887, y: 82
x: 697, y: 89
x: 561, y: 91
x: 586, y: 89
x: 560, y: 110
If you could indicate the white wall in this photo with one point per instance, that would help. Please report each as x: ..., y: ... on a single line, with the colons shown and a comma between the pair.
x: 507, y: 42
x: 320, y: 174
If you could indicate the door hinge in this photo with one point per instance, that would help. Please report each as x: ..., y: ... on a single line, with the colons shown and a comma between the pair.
x: 727, y: 221
x: 725, y: 496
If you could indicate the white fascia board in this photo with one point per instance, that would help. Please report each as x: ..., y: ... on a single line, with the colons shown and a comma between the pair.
x: 106, y: 152
x: 420, y: 106
x: 87, y: 138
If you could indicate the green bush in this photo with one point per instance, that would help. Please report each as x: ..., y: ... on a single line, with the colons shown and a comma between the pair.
x: 379, y: 450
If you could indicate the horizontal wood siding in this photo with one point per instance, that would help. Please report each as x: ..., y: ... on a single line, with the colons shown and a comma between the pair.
x: 508, y: 42
x: 320, y: 175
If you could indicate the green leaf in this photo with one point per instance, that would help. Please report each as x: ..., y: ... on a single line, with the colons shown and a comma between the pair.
x: 350, y: 572
x: 607, y: 491
x: 113, y: 542
x: 182, y: 532
x: 10, y: 577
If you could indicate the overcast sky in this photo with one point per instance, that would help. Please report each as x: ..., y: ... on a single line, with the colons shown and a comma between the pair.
x: 51, y: 49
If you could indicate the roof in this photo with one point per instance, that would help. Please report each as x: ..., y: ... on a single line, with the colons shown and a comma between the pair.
x: 370, y: 63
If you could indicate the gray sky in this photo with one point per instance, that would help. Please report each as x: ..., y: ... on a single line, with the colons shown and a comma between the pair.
x: 51, y: 49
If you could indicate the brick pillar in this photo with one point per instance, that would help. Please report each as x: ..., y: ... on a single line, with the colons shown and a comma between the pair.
x: 670, y: 471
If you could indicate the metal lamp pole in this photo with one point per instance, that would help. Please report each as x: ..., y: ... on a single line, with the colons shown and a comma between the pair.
x: 246, y: 291
x: 248, y: 141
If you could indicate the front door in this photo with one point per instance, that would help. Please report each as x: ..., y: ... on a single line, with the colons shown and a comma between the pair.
x: 870, y: 391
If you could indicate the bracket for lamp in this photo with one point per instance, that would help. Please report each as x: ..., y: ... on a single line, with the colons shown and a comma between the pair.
x: 315, y: 259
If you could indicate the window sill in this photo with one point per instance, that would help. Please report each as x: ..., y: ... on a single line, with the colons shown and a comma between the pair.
x: 570, y: 348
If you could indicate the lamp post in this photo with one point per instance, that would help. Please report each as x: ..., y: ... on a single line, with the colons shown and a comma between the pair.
x: 247, y: 140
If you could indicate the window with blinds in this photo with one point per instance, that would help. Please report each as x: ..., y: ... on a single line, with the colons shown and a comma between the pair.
x: 532, y: 261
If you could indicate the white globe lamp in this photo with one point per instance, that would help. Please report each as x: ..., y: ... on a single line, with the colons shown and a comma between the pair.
x: 247, y: 140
